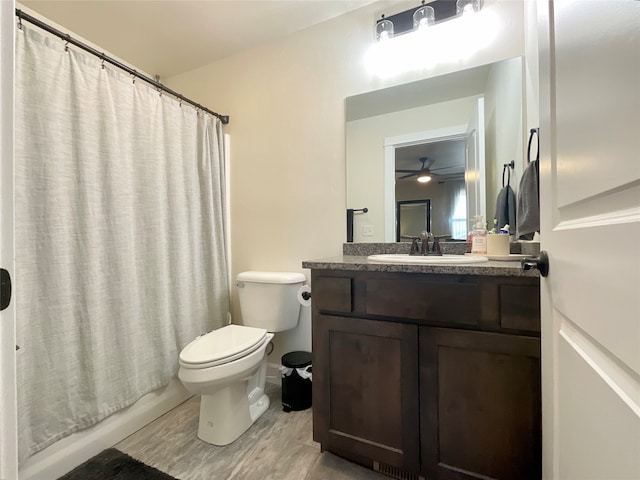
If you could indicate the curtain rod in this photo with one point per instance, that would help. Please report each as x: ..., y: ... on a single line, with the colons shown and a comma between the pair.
x: 67, y: 38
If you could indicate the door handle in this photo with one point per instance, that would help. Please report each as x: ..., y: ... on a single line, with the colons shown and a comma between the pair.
x: 5, y: 289
x: 540, y: 263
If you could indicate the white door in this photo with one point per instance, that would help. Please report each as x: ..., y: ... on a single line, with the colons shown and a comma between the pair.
x: 590, y: 222
x: 474, y: 177
x: 8, y: 429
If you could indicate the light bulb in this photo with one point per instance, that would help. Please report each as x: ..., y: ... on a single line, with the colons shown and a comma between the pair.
x: 423, y: 17
x: 468, y: 6
x: 423, y: 178
x: 384, y: 30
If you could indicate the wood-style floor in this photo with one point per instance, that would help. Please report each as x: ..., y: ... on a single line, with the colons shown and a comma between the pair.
x: 278, y: 446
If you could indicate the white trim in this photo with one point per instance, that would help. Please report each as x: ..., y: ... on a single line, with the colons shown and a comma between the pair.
x: 66, y: 454
x: 625, y: 385
x: 8, y: 399
x: 227, y: 213
x: 389, y: 186
x: 427, y: 136
x: 630, y: 215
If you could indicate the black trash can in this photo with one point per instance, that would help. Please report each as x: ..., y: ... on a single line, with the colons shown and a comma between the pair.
x: 296, y: 381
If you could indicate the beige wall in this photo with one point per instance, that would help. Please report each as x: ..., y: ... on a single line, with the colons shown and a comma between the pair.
x: 286, y: 102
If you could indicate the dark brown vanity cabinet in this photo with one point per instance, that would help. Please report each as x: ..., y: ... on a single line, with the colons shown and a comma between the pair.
x: 365, y: 390
x: 428, y: 376
x: 479, y: 405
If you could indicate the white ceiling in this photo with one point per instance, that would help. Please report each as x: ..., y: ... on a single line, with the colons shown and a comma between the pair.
x: 170, y: 37
x: 447, y: 157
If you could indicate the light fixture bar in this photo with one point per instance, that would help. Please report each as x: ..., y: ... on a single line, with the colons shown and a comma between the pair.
x: 403, y: 21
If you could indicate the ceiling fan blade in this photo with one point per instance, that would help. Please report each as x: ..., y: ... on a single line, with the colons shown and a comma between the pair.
x: 452, y: 176
x: 407, y: 171
x: 444, y: 168
x: 407, y: 176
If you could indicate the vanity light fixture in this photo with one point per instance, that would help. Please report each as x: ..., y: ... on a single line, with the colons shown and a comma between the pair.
x: 403, y: 44
x: 384, y: 29
x: 434, y: 12
x: 423, y: 17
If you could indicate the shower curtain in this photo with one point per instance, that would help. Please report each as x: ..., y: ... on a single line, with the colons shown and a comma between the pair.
x: 120, y: 252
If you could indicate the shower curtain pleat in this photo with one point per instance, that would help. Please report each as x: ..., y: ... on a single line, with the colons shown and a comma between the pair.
x: 120, y: 242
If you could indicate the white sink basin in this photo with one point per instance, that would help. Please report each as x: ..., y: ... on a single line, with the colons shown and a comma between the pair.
x: 424, y: 260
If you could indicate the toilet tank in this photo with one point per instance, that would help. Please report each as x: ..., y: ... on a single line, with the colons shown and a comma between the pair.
x: 269, y: 299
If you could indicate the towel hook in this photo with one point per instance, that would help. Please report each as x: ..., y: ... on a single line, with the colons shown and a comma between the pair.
x: 507, y: 168
x: 532, y: 132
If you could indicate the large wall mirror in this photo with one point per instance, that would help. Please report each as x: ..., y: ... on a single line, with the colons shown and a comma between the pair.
x: 459, y: 129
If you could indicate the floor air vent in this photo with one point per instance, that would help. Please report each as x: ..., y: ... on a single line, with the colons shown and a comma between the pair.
x: 395, y: 472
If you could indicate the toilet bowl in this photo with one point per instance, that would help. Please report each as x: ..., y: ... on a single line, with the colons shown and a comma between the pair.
x: 219, y: 366
x: 227, y: 366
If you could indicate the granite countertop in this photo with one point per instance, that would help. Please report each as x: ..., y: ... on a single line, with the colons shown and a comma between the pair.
x: 360, y: 263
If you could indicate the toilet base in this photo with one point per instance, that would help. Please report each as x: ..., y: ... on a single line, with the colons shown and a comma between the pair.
x: 227, y: 414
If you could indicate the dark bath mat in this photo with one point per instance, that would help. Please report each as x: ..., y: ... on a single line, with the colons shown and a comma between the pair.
x: 112, y: 464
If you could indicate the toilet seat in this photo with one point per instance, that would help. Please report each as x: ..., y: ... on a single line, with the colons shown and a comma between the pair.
x: 222, y: 346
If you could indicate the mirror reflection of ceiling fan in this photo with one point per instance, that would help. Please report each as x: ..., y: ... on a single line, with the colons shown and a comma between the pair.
x: 425, y: 173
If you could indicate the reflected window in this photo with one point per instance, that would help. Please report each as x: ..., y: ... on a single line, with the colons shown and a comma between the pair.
x: 458, y: 219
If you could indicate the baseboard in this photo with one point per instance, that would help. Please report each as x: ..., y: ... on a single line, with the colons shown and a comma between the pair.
x: 273, y: 374
x: 66, y: 454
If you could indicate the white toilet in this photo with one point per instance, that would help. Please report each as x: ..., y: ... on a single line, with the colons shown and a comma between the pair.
x: 228, y: 366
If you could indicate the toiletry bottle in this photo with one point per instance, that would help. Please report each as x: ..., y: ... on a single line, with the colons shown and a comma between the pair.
x: 472, y: 226
x: 479, y: 237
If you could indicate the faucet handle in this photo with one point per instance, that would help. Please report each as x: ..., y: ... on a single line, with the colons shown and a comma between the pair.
x: 415, y: 247
x: 435, y: 249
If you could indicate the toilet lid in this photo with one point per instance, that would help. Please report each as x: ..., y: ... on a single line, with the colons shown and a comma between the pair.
x: 222, y: 346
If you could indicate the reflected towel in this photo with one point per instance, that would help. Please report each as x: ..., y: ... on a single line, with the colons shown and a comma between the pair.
x: 506, y: 209
x: 529, y: 202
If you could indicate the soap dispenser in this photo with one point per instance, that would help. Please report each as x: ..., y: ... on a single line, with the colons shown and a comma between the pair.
x: 479, y: 237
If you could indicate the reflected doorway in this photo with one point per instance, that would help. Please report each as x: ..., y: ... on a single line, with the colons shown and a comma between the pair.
x: 443, y: 160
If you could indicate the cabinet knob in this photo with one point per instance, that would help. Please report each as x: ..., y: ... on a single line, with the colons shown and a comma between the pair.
x: 540, y: 263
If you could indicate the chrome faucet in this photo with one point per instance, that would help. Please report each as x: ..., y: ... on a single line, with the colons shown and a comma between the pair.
x: 420, y: 245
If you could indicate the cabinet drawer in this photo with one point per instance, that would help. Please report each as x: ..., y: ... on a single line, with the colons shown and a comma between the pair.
x: 333, y: 294
x: 520, y: 307
x: 434, y: 301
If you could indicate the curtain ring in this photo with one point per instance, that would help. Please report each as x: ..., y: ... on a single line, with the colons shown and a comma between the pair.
x: 133, y: 77
x: 66, y: 43
x: 19, y: 22
x: 102, y: 61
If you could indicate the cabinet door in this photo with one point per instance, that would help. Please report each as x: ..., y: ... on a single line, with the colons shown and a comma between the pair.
x: 365, y: 391
x: 479, y: 405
